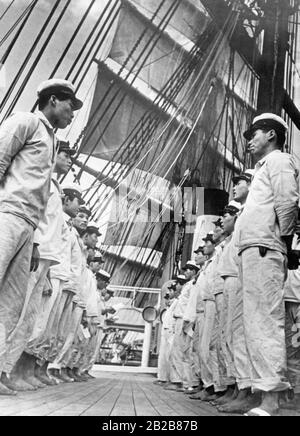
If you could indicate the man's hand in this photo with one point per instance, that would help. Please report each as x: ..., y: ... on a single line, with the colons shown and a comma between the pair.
x: 186, y: 326
x: 92, y: 329
x: 35, y: 258
x: 111, y: 310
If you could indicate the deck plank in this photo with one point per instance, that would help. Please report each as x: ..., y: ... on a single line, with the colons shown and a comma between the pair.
x: 62, y: 399
x: 77, y: 408
x: 143, y: 406
x: 105, y: 405
x: 111, y: 394
x: 124, y: 405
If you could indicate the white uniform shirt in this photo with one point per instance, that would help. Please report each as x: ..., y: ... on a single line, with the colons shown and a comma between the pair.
x: 195, y: 304
x: 183, y: 300
x: 27, y: 157
x: 169, y: 321
x: 92, y: 295
x: 271, y: 209
x: 49, y: 231
x: 227, y: 264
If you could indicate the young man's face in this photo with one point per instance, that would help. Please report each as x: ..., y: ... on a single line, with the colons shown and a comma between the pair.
x: 91, y: 240
x: 259, y: 143
x: 240, y: 191
x: 71, y: 208
x: 95, y: 267
x: 209, y: 248
x: 81, y: 221
x: 228, y: 223
x: 101, y: 285
x: 200, y: 259
x: 189, y: 273
x: 91, y: 254
x: 178, y: 290
x: 63, y: 163
x: 63, y: 112
x: 171, y: 293
x: 218, y: 233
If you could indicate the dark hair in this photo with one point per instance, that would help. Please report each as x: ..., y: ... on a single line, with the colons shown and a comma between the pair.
x: 69, y: 197
x: 45, y: 98
x: 281, y: 136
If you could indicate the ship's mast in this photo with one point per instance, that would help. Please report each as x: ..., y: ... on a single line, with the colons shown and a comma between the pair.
x: 271, y: 89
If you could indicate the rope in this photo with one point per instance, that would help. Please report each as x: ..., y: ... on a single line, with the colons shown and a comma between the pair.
x: 27, y: 11
x: 37, y: 59
x: 29, y: 55
x: 7, y: 9
x: 127, y: 76
x: 69, y: 45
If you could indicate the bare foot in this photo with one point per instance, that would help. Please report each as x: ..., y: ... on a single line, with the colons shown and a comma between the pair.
x: 33, y: 381
x: 20, y: 385
x: 269, y: 404
x: 243, y: 403
x: 6, y: 391
x: 230, y: 395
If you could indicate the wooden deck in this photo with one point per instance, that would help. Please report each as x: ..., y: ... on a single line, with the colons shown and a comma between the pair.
x: 111, y: 394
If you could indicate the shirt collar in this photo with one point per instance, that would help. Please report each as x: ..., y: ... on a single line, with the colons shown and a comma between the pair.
x: 68, y: 219
x: 45, y: 120
x: 262, y: 161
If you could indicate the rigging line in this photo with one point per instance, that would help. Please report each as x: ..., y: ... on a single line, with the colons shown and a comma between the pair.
x: 103, y: 39
x: 132, y: 81
x: 164, y: 202
x: 127, y: 76
x: 148, y: 236
x: 148, y: 116
x: 15, y: 25
x: 37, y: 59
x: 25, y: 62
x: 179, y: 126
x: 186, y: 69
x: 131, y: 218
x: 90, y: 36
x: 69, y: 45
x: 7, y: 9
x: 28, y: 13
x: 155, y: 124
x: 84, y: 99
x: 95, y: 112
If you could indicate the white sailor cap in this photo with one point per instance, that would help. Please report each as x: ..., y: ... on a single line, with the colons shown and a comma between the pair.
x: 246, y: 175
x: 269, y: 121
x: 110, y: 289
x: 181, y: 278
x: 75, y: 190
x: 93, y: 228
x: 191, y: 264
x: 64, y: 146
x: 59, y: 86
x: 232, y: 208
x: 103, y: 275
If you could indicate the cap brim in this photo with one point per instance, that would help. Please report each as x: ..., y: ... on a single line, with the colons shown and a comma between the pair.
x: 77, y: 104
x: 236, y: 179
x: 248, y: 134
x: 72, y: 152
